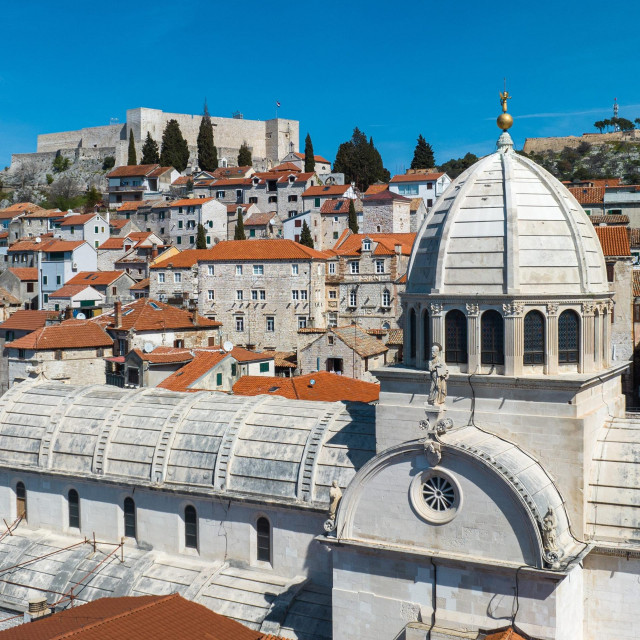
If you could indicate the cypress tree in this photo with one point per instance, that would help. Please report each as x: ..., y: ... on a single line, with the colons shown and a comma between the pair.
x: 353, y: 217
x: 132, y: 150
x: 309, y: 161
x: 360, y: 161
x: 305, y: 236
x: 207, y: 152
x: 150, y: 153
x: 239, y: 233
x: 175, y: 151
x: 244, y: 157
x: 201, y: 239
x: 423, y: 155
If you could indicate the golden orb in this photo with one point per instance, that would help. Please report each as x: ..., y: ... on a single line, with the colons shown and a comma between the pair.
x: 505, y: 121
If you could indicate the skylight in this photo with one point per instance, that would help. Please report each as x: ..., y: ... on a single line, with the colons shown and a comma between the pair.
x: 154, y: 306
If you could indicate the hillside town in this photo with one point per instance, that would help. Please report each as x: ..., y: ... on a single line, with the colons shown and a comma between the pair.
x: 249, y: 392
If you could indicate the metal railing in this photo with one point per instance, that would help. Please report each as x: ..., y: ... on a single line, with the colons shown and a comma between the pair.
x: 115, y: 379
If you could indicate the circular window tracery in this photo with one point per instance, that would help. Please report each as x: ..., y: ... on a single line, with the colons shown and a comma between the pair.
x: 436, y: 495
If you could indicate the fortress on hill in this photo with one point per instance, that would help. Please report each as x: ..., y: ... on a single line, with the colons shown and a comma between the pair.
x: 269, y: 140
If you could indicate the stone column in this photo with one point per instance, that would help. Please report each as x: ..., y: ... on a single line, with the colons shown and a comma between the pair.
x: 597, y: 344
x: 606, y: 335
x: 405, y: 335
x: 551, y: 340
x: 587, y: 338
x: 420, y: 361
x: 473, y: 337
x: 513, y: 338
x: 437, y: 324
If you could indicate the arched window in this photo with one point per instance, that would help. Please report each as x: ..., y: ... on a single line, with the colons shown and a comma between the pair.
x: 568, y: 337
x: 412, y: 333
x: 426, y: 335
x: 533, y: 338
x: 129, y: 518
x: 264, y: 540
x: 21, y: 500
x: 492, y: 329
x: 190, y: 527
x: 73, y: 501
x: 386, y: 298
x: 455, y: 328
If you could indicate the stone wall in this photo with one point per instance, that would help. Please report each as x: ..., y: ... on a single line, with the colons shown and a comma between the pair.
x: 538, y: 145
x: 88, y: 137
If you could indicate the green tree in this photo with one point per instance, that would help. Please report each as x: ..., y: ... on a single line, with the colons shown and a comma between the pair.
x: 132, y: 160
x: 207, y: 152
x: 309, y: 160
x: 49, y: 180
x: 92, y: 197
x: 175, y: 151
x: 599, y: 125
x: 454, y: 167
x: 244, y: 157
x: 305, y: 236
x: 239, y: 232
x: 201, y: 239
x: 423, y: 155
x: 353, y: 217
x: 108, y: 163
x: 360, y: 161
x: 150, y: 153
x: 60, y: 163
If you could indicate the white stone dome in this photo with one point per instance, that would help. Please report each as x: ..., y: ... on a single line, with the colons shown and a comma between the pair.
x: 507, y: 227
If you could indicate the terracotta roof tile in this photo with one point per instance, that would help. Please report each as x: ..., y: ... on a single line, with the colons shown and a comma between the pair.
x: 185, y: 377
x: 118, y: 223
x: 133, y: 206
x: 287, y: 166
x: 96, y: 278
x: 112, y: 243
x: 612, y: 219
x: 341, y: 205
x: 360, y: 341
x: 259, y: 219
x: 27, y: 320
x: 159, y: 171
x: 44, y: 213
x: 227, y: 172
x: 131, y: 171
x: 395, y: 337
x: 588, y: 195
x: 614, y: 241
x: 382, y: 196
x: 134, y: 618
x: 270, y: 249
x: 188, y: 202
x: 507, y: 634
x: 26, y: 274
x: 164, y: 355
x: 416, y: 177
x: 282, y: 358
x: 376, y: 188
x: 71, y: 334
x: 351, y: 245
x: 69, y: 221
x: 232, y: 208
x: 316, y: 158
x: 8, y: 298
x: 46, y: 245
x: 326, y: 190
x: 140, y: 286
x: 634, y: 238
x: 146, y: 314
x: 328, y: 387
x: 184, y: 259
x: 231, y: 182
x: 70, y: 290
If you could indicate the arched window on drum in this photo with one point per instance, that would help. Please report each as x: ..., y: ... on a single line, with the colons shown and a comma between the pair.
x: 568, y: 337
x: 455, y: 328
x: 533, y: 338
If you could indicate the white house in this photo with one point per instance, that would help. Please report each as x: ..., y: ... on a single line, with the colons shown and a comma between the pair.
x: 428, y: 186
x: 91, y: 227
x: 138, y: 182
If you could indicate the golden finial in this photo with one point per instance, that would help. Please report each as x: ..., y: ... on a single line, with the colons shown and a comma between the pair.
x: 504, y: 119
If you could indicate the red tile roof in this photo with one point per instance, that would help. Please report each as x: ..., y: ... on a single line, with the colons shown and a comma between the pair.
x: 634, y: 238
x: 251, y: 250
x: 382, y: 196
x: 139, y: 286
x: 46, y: 245
x: 27, y: 320
x: 146, y: 314
x: 44, y: 213
x: 287, y: 166
x: 185, y: 377
x: 326, y: 190
x: 96, y: 278
x: 282, y: 358
x: 386, y: 242
x: 164, y: 355
x: 188, y: 202
x: 417, y: 177
x: 70, y: 290
x: 78, y: 219
x: 226, y: 172
x: 159, y: 171
x: 376, y: 188
x: 232, y: 208
x: 26, y: 274
x: 118, y: 224
x: 259, y: 219
x: 134, y: 618
x: 229, y: 182
x: 328, y: 387
x: 506, y: 634
x: 588, y: 195
x: 341, y: 205
x: 134, y: 205
x: 609, y: 219
x: 113, y: 243
x: 181, y: 180
x: 71, y: 334
x: 614, y: 241
x: 316, y: 158
x: 182, y: 260
x: 133, y: 171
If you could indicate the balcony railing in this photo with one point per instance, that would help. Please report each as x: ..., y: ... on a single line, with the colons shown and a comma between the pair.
x: 115, y: 379
x: 129, y: 187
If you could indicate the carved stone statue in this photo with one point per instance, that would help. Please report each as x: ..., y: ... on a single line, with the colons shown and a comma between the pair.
x: 335, y: 495
x: 549, y: 524
x: 433, y: 452
x: 439, y: 375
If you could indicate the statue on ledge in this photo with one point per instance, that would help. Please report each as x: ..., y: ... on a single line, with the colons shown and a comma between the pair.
x: 439, y: 375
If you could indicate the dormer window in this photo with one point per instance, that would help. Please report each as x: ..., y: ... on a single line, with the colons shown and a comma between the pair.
x: 366, y: 245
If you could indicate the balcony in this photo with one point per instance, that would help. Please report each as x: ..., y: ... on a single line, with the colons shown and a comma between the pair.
x: 127, y: 187
x: 115, y: 379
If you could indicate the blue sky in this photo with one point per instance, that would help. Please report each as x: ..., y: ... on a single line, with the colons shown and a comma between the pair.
x: 393, y: 69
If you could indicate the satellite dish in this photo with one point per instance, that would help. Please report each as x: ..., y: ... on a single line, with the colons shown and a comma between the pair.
x: 81, y: 316
x: 38, y: 240
x: 228, y: 346
x: 312, y: 382
x: 148, y: 347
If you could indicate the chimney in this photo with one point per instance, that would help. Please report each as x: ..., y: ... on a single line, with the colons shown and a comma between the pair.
x: 68, y: 313
x: 38, y: 608
x: 398, y: 249
x: 154, y: 251
x: 117, y: 314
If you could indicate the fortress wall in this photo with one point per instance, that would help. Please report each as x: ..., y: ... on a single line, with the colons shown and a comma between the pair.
x: 105, y: 136
x: 538, y: 145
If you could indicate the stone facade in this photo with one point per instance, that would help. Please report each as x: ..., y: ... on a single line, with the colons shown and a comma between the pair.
x: 388, y: 215
x: 538, y: 145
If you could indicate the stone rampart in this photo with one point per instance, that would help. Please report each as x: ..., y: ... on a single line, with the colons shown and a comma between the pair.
x: 88, y: 137
x: 538, y: 145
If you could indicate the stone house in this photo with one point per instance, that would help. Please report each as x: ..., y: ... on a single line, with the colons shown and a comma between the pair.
x: 314, y: 197
x: 140, y: 289
x: 36, y: 223
x: 22, y: 282
x: 333, y: 222
x: 421, y: 183
x: 113, y: 285
x: 71, y: 352
x: 386, y: 212
x: 144, y: 368
x: 175, y: 280
x: 591, y: 199
x: 135, y: 245
x: 418, y: 211
x: 292, y: 227
x: 623, y: 200
x: 80, y: 298
x: 321, y: 166
x: 90, y: 227
x: 347, y: 351
x: 263, y: 291
x: 233, y: 210
x: 137, y: 182
x: 141, y: 256
x: 121, y: 226
x: 225, y: 190
x: 20, y: 324
x: 263, y: 225
x: 290, y: 187
x: 364, y: 279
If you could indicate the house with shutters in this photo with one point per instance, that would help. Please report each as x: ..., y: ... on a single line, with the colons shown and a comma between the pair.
x: 113, y: 285
x: 21, y: 282
x: 422, y: 184
x: 137, y: 182
x: 90, y: 227
x: 78, y: 298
